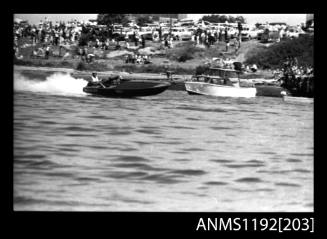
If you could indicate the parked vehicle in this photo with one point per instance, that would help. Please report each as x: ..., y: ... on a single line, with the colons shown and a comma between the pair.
x: 269, y: 36
x: 249, y: 33
x: 294, y: 32
x: 179, y: 33
x: 147, y: 32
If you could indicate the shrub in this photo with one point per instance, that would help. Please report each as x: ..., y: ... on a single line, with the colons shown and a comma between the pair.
x: 153, y: 69
x: 65, y: 63
x: 81, y: 66
x: 273, y: 56
x: 185, y: 56
x: 201, y: 69
x: 183, y: 52
x: 85, y: 38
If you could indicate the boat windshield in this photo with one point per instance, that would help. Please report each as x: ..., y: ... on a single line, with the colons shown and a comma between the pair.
x: 212, y: 80
x: 228, y: 73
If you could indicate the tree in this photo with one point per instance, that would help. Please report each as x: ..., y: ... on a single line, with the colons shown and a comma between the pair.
x: 240, y: 19
x: 212, y: 18
x: 222, y: 18
x: 85, y: 38
x: 231, y: 19
x: 257, y: 25
x: 155, y: 17
x: 109, y: 19
x: 143, y: 19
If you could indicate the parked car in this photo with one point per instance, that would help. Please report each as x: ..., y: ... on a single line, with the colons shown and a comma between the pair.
x: 232, y: 32
x: 146, y: 32
x: 245, y: 34
x: 294, y: 33
x: 269, y: 36
x: 181, y: 34
x: 249, y: 33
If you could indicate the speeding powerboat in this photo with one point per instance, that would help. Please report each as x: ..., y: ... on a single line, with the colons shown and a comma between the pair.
x: 126, y: 88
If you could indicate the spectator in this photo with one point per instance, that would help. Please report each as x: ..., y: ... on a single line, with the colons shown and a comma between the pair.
x: 117, y: 45
x: 66, y: 55
x: 106, y: 45
x: 240, y: 28
x: 226, y: 34
x: 47, y: 52
x: 97, y: 43
x: 254, y: 68
x: 84, y: 54
x: 34, y: 53
x: 166, y: 42
x: 89, y: 58
x: 136, y: 39
x: 160, y: 33
x: 220, y: 35
x: 138, y: 59
x: 237, y: 44
x: 170, y: 43
x: 126, y: 58
x: 143, y: 41
x: 227, y: 42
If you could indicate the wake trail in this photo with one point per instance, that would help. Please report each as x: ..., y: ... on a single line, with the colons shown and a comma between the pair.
x: 57, y: 83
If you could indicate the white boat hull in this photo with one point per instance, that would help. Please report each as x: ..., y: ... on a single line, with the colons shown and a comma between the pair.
x: 297, y: 99
x: 220, y: 90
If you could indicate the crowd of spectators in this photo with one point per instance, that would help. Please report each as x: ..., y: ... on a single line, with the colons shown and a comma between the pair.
x: 52, y: 34
x: 47, y: 36
x: 137, y: 59
x: 49, y: 33
x: 298, y: 79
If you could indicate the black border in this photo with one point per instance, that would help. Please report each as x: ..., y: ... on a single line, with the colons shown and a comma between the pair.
x: 153, y: 223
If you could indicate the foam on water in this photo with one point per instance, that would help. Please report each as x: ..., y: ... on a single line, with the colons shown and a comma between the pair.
x: 57, y: 83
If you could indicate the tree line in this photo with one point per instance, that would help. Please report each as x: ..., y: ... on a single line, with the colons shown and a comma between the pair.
x: 110, y: 19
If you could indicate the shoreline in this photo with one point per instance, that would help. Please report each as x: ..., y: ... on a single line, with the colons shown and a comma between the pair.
x: 87, y: 73
x: 178, y: 82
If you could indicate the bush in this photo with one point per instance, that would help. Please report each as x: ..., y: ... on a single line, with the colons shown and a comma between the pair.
x: 85, y: 38
x: 81, y: 66
x: 185, y: 56
x: 153, y: 69
x: 21, y: 62
x: 202, y: 69
x: 274, y: 56
x: 65, y: 63
x: 183, y: 52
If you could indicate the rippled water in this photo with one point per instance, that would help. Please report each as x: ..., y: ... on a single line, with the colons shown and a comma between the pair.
x: 169, y: 152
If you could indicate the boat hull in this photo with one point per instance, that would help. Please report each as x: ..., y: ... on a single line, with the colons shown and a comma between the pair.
x: 269, y: 90
x: 129, y: 89
x: 294, y: 99
x: 203, y: 88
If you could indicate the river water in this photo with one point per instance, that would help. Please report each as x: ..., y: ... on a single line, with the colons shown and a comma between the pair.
x: 169, y: 152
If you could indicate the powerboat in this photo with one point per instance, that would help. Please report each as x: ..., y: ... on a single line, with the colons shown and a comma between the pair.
x: 269, y: 89
x: 117, y: 87
x: 223, y: 84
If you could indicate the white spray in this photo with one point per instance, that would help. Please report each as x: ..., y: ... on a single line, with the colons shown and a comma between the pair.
x: 57, y: 83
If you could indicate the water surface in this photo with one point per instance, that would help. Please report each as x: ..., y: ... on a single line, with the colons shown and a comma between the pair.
x: 169, y: 152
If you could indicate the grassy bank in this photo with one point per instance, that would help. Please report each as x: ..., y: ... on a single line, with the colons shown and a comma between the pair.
x: 100, y: 66
x: 183, y: 59
x: 184, y: 56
